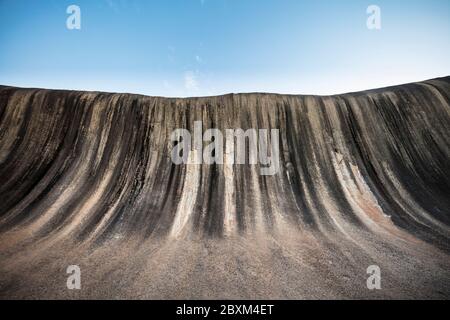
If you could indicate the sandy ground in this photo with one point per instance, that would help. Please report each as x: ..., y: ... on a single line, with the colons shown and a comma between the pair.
x: 289, y: 266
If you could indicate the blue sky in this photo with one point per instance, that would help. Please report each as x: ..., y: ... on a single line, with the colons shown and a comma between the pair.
x: 209, y: 47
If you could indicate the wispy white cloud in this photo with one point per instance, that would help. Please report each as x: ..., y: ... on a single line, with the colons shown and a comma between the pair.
x: 119, y: 5
x: 166, y: 84
x: 198, y: 59
x: 190, y: 81
x: 171, y: 54
x: 113, y: 5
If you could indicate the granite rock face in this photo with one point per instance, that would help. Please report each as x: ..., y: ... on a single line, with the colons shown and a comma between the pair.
x: 87, y: 179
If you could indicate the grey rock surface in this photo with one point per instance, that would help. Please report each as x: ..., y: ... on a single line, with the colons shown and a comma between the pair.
x: 87, y: 179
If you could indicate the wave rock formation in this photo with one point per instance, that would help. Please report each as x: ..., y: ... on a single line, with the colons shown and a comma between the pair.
x: 87, y: 179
